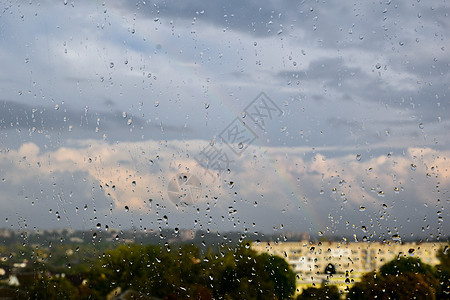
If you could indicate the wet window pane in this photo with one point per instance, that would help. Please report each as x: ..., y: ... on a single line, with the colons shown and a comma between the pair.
x: 224, y: 149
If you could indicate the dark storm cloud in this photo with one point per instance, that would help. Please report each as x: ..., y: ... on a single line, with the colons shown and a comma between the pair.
x: 82, y: 124
x: 330, y: 70
x: 252, y: 17
x: 429, y: 99
x: 18, y: 115
x: 372, y: 27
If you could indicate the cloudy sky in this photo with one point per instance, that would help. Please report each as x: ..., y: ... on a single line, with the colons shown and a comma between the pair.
x: 328, y: 117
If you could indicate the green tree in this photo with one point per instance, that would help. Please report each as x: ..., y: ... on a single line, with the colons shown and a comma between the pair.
x: 330, y: 292
x: 281, y: 274
x: 404, y: 265
x: 183, y: 272
x: 402, y: 278
x: 443, y: 272
x: 241, y: 273
x: 52, y: 288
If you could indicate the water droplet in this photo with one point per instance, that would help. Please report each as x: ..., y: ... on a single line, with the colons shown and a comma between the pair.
x: 320, y: 233
x: 124, y: 114
x: 396, y: 190
x: 240, y: 145
x: 378, y: 66
x: 111, y: 65
x: 133, y: 183
x: 206, y: 105
x: 413, y: 167
x: 99, y: 225
x: 156, y: 103
x: 358, y: 157
x: 396, y: 237
x: 421, y: 126
x: 411, y: 251
x: 126, y: 208
x: 94, y: 236
x: 362, y: 208
x: 57, y: 107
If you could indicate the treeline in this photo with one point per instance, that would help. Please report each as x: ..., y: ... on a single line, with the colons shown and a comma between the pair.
x: 166, y: 273
x: 184, y: 272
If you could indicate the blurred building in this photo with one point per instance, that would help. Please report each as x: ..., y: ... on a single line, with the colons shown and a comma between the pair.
x: 349, y: 261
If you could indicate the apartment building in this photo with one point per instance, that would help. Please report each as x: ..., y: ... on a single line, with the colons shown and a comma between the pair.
x: 309, y: 260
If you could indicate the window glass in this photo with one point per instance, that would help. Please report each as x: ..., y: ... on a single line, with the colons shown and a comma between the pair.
x: 314, y: 131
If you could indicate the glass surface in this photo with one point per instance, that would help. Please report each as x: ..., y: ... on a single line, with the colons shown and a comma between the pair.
x: 225, y: 121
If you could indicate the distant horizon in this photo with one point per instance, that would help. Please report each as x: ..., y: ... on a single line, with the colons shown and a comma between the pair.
x: 282, y: 236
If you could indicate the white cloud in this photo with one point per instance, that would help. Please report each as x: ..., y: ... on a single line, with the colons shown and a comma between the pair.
x: 133, y: 173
